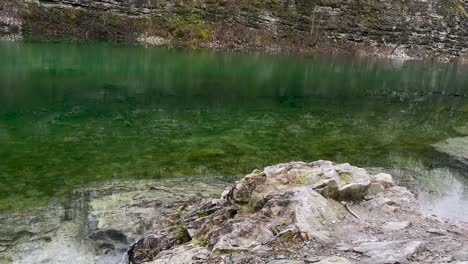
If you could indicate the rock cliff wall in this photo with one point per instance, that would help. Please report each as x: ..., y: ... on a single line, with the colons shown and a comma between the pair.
x: 418, y: 28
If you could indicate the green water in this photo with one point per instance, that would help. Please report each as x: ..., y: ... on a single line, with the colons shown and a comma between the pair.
x: 73, y: 114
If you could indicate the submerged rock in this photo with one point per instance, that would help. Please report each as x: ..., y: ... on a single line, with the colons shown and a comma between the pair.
x: 301, y: 213
x: 462, y: 130
x: 318, y: 212
x: 456, y: 149
x: 100, y: 221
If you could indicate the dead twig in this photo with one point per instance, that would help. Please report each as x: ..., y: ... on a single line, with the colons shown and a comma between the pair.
x: 353, y: 213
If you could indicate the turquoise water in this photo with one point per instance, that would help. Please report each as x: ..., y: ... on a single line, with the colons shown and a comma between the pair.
x: 73, y: 114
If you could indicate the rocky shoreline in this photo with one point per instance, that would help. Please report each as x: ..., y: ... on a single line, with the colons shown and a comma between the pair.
x: 98, y: 222
x: 430, y: 30
x: 318, y: 212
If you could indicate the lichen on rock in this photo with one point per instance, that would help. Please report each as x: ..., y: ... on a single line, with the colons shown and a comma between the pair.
x: 292, y: 212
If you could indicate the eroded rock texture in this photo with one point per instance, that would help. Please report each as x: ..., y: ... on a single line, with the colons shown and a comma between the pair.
x: 304, y: 213
x: 397, y: 28
x: 10, y: 21
x: 99, y: 222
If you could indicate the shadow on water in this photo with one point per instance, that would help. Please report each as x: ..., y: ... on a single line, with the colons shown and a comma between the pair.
x: 73, y: 114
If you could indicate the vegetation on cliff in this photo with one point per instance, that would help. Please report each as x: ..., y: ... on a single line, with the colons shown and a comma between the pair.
x: 430, y: 29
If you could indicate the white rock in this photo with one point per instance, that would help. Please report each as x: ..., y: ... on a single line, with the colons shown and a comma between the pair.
x: 395, y: 226
x: 383, y: 178
x: 186, y: 254
x: 375, y: 188
x: 378, y: 202
x: 152, y: 40
x: 354, y: 191
x: 389, y: 252
x: 334, y: 260
x: 437, y: 231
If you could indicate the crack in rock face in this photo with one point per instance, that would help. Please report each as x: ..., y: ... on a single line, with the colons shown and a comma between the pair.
x: 298, y: 208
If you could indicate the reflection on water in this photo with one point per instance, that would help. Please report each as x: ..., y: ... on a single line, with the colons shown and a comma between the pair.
x: 442, y: 191
x: 451, y: 204
x: 75, y: 114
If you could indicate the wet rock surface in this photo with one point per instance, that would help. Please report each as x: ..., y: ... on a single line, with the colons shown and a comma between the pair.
x: 306, y: 213
x: 100, y: 221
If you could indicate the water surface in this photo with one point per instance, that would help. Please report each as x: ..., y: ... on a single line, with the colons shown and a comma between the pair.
x: 73, y: 114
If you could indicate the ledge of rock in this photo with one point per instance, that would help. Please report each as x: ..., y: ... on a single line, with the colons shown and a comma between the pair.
x: 456, y: 149
x: 318, y: 212
x: 435, y: 30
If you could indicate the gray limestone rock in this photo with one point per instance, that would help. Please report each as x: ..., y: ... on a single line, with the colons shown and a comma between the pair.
x: 389, y: 252
x: 334, y: 260
x: 384, y: 179
x: 461, y: 254
x: 414, y: 30
x: 395, y: 226
x: 100, y: 222
x: 288, y: 213
x: 439, y: 232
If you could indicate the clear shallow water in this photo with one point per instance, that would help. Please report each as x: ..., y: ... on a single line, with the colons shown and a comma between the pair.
x: 72, y: 114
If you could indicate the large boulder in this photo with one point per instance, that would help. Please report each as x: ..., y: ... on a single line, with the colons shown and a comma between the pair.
x: 462, y: 130
x: 300, y: 213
